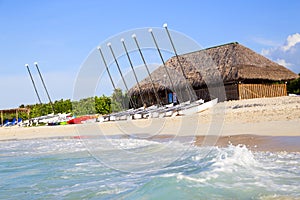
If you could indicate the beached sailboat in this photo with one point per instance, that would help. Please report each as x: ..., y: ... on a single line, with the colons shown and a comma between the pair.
x: 158, y: 107
x: 154, y: 111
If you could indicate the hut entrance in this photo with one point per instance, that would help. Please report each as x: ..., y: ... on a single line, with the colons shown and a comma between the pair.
x: 172, y: 97
x: 165, y: 96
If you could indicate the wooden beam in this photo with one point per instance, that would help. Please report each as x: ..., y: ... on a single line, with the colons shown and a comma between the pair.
x: 2, y: 117
x: 17, y: 116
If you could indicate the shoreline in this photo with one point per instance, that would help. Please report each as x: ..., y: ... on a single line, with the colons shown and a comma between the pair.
x: 263, y: 119
x: 267, y: 143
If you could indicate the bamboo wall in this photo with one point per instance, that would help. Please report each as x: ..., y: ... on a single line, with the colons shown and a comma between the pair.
x: 243, y: 91
x: 233, y: 92
x: 250, y: 91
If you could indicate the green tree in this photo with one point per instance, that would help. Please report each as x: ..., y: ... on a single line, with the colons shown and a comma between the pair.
x: 91, y: 105
x: 63, y: 106
x: 84, y: 106
x: 119, y: 101
x: 103, y: 105
x: 293, y: 86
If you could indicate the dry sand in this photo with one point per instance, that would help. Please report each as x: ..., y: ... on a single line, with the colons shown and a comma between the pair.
x: 249, y: 122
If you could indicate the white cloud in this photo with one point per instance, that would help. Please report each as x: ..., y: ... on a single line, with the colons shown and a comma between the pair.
x: 283, y: 62
x: 287, y: 54
x: 265, y: 52
x: 292, y: 40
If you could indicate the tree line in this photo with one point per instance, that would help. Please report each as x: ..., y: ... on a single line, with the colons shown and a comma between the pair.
x: 100, y: 105
x: 293, y: 87
x: 87, y: 106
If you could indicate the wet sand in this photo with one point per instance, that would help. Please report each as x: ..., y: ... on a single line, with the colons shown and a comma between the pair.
x: 258, y: 143
x: 252, y: 142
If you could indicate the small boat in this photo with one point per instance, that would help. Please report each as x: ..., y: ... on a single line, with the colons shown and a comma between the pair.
x: 196, y: 108
x: 80, y: 120
x: 185, y: 108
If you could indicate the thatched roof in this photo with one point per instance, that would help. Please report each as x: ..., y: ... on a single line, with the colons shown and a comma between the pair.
x: 14, y: 110
x: 234, y: 62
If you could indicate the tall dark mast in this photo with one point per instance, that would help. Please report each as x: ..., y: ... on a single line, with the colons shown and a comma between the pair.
x: 110, y: 77
x: 119, y: 69
x: 132, y: 68
x: 144, y: 61
x: 36, y: 92
x: 181, y: 67
x: 162, y: 59
x: 37, y: 67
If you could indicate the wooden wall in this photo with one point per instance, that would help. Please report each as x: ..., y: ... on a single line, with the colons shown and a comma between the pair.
x: 243, y: 91
x: 250, y: 91
x: 231, y: 93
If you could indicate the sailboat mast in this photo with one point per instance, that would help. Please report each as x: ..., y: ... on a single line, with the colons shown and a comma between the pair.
x: 178, y: 60
x: 110, y: 77
x: 144, y: 61
x: 37, y: 67
x: 36, y: 92
x: 119, y: 69
x: 132, y: 68
x: 162, y: 59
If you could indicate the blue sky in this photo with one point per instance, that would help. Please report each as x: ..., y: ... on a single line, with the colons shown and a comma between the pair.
x: 60, y: 34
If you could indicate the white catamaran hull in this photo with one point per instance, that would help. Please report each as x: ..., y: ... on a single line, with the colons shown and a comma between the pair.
x: 198, y: 108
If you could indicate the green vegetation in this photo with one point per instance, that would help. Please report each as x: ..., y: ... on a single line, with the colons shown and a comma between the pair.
x: 103, y: 105
x: 120, y: 101
x: 293, y: 87
x: 91, y: 105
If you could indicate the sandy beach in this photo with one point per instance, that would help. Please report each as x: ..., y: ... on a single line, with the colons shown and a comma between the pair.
x: 251, y: 122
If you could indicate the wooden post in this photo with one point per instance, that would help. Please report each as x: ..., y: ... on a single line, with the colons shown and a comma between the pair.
x: 285, y: 90
x: 2, y: 117
x: 240, y: 91
x: 28, y: 112
x: 17, y: 116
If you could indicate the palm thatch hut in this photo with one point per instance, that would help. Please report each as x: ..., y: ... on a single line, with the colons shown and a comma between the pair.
x: 232, y: 68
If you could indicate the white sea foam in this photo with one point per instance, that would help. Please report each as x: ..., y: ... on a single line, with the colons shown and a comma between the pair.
x: 63, y: 168
x: 233, y: 158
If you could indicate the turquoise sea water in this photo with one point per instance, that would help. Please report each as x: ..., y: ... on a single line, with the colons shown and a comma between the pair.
x: 119, y: 168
